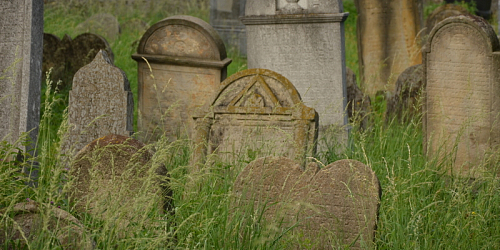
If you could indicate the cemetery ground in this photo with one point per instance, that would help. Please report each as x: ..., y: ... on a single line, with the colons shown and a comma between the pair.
x: 422, y: 207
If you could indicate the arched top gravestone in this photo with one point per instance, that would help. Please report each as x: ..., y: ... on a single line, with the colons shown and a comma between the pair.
x: 185, y: 58
x: 461, y: 62
x: 257, y: 112
x: 187, y: 38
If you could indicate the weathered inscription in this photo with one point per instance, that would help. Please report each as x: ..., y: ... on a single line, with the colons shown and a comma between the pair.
x: 329, y: 207
x: 460, y: 95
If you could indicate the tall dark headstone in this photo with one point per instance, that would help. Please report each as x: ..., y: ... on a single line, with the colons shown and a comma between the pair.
x: 224, y: 17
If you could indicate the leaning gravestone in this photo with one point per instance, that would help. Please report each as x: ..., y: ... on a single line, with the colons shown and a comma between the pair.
x: 114, y: 175
x: 224, y: 17
x: 181, y: 63
x: 21, y: 36
x: 29, y: 217
x: 461, y: 61
x: 100, y: 103
x: 329, y: 208
x: 406, y: 101
x: 257, y: 112
x: 304, y: 41
x: 388, y: 41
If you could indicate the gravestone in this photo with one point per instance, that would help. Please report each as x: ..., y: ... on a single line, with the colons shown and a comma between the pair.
x: 66, y: 56
x: 358, y: 104
x: 329, y: 207
x: 28, y: 218
x: 256, y: 113
x: 100, y: 103
x: 304, y: 42
x: 115, y: 173
x: 406, y: 102
x: 103, y: 24
x: 388, y: 41
x: 21, y: 36
x: 224, y: 17
x: 181, y: 63
x: 443, y: 12
x: 461, y: 77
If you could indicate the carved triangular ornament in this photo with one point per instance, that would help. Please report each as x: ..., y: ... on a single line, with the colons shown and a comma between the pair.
x: 256, y: 94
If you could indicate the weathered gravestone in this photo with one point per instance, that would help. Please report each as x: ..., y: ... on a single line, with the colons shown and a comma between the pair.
x: 443, y: 12
x: 181, y: 62
x: 330, y: 208
x: 388, y: 41
x: 358, y: 104
x: 257, y: 113
x: 66, y: 56
x: 28, y: 218
x: 114, y: 175
x: 462, y: 107
x: 304, y: 42
x: 21, y: 36
x: 103, y: 24
x: 406, y: 101
x: 224, y: 17
x: 100, y: 103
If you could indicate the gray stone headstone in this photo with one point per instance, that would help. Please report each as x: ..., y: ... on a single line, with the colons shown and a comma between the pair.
x: 441, y: 13
x: 21, y: 37
x: 358, y: 103
x: 256, y: 113
x: 304, y: 42
x: 461, y: 109
x: 224, y: 17
x: 327, y: 208
x: 100, y: 103
x: 181, y: 63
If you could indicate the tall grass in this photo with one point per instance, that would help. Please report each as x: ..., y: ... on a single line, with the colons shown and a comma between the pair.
x: 421, y: 207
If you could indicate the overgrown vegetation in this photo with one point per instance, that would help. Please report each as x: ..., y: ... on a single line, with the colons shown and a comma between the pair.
x: 421, y: 208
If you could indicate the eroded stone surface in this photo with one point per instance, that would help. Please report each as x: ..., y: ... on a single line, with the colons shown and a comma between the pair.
x: 21, y: 36
x: 100, y: 103
x: 66, y: 228
x: 256, y: 113
x: 462, y: 89
x: 103, y: 24
x: 406, y: 101
x: 332, y: 205
x: 115, y: 171
x: 309, y: 50
x: 388, y: 41
x: 181, y: 63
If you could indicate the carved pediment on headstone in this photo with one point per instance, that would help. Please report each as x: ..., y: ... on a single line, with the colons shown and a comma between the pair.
x: 257, y: 112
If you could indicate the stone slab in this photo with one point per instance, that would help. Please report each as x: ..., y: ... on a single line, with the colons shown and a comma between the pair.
x: 256, y: 113
x: 461, y: 108
x: 21, y: 37
x: 331, y: 207
x: 306, y: 44
x: 113, y: 174
x: 181, y: 63
x: 100, y: 103
x: 388, y: 41
x: 406, y: 103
